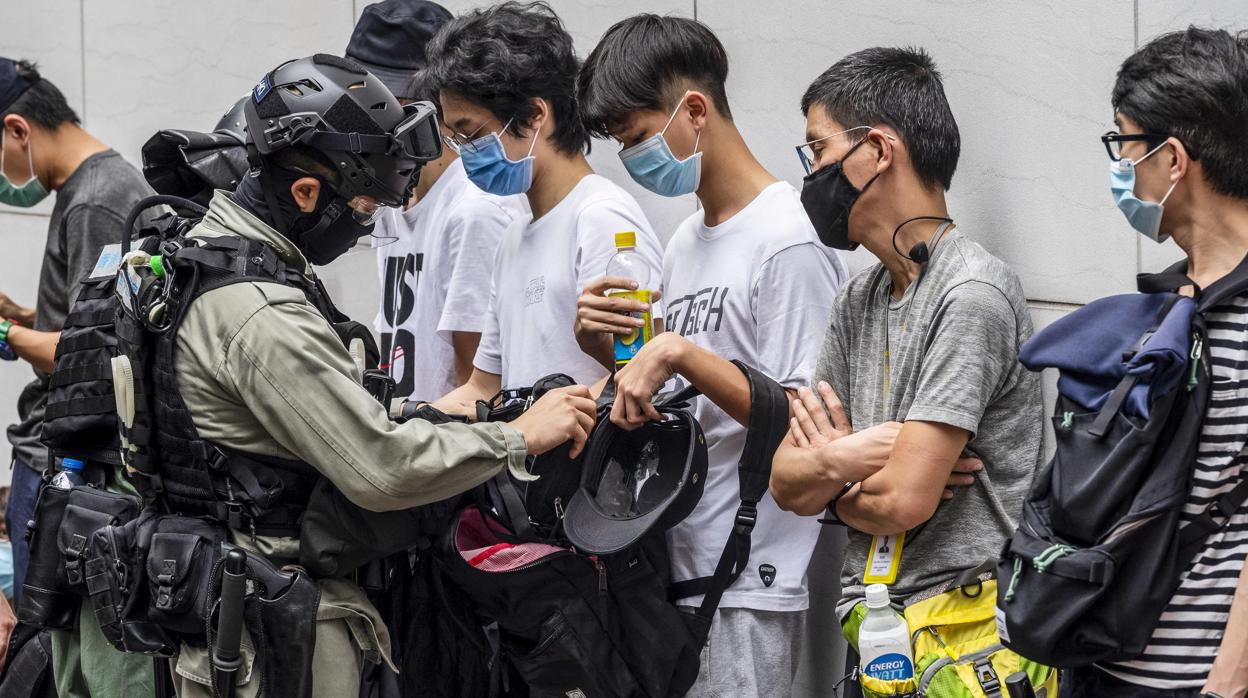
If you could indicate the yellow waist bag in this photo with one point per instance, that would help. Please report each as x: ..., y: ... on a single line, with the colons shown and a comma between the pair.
x: 957, y: 652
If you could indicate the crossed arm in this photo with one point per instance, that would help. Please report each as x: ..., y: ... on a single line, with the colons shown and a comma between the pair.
x: 900, y: 472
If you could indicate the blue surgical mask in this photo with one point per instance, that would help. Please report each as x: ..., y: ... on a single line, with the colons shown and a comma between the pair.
x: 25, y: 195
x: 1144, y: 216
x: 488, y: 166
x: 652, y: 165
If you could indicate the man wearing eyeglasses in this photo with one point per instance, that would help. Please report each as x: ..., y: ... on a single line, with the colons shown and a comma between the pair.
x: 919, y: 373
x: 1179, y: 170
x: 435, y: 255
x: 506, y: 77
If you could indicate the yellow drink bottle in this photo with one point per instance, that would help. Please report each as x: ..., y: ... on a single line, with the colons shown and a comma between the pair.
x: 628, y: 264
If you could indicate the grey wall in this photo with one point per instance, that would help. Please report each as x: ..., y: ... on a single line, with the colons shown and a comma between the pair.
x: 1029, y: 84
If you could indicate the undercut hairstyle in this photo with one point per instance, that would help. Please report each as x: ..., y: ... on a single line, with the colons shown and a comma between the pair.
x: 503, y: 56
x: 42, y: 103
x: 302, y: 159
x: 899, y: 87
x: 645, y: 63
x: 1193, y: 85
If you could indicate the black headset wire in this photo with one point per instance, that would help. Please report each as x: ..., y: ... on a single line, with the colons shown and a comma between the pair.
x: 921, y: 253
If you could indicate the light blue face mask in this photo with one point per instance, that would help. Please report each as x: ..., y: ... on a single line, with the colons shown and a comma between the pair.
x: 1144, y: 216
x: 488, y: 166
x: 25, y: 195
x: 652, y: 165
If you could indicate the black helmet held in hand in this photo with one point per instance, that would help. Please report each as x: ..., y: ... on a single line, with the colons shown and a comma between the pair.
x: 335, y: 107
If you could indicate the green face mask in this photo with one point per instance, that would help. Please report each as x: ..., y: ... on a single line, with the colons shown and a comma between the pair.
x: 26, y: 195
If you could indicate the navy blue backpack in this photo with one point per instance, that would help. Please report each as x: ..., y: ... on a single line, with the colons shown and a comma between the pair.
x: 1099, y: 551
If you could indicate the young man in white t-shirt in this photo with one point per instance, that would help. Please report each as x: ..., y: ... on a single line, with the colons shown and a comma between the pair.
x: 743, y: 278
x: 435, y: 257
x: 506, y: 78
x: 435, y: 261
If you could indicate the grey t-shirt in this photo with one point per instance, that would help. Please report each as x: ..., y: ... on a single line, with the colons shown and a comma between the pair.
x: 954, y: 341
x: 90, y: 209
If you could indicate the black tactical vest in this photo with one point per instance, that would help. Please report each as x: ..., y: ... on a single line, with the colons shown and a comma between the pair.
x: 161, y: 446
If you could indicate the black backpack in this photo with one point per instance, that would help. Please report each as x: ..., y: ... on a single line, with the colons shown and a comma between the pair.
x: 582, y: 625
x: 1099, y: 550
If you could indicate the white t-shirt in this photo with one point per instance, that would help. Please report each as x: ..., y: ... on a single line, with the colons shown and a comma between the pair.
x: 541, y: 269
x: 758, y: 288
x: 434, y: 261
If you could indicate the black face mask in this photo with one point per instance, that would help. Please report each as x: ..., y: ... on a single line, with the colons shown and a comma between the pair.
x: 323, y: 234
x: 331, y: 234
x: 828, y: 196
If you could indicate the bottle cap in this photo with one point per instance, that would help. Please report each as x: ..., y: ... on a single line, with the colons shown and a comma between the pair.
x: 877, y: 595
x: 158, y: 265
x: 71, y: 464
x: 628, y: 239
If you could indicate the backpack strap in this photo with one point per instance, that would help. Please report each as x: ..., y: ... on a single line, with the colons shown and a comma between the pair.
x: 1230, y: 285
x: 769, y: 421
x: 1175, y: 277
x: 1214, y: 518
x: 1123, y: 389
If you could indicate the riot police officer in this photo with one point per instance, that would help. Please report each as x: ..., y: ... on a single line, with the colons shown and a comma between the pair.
x: 256, y: 398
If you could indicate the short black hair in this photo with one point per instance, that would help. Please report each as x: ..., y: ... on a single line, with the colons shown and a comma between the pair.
x: 501, y: 57
x: 42, y: 102
x: 421, y: 89
x: 899, y: 87
x: 1193, y: 85
x: 642, y: 62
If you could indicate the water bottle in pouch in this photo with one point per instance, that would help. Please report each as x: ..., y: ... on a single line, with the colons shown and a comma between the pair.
x: 884, y: 639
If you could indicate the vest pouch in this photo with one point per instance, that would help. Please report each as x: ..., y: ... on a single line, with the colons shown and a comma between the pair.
x: 89, y: 509
x: 179, y: 564
x: 119, y: 594
x: 46, y: 601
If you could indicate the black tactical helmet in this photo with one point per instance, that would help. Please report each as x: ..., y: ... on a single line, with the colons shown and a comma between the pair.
x: 334, y: 106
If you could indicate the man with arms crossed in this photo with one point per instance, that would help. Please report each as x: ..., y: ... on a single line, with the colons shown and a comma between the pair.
x: 922, y: 348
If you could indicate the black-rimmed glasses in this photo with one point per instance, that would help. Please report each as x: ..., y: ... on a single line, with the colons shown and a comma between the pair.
x: 1113, y: 142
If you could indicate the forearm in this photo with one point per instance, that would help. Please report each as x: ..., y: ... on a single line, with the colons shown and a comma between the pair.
x: 465, y: 346
x: 598, y: 346
x: 804, y: 480
x: 871, y: 510
x: 716, y: 377
x: 1230, y: 667
x: 480, y: 386
x: 907, y: 490
x: 38, y: 348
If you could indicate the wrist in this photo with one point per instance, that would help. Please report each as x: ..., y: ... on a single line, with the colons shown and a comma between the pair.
x: 673, y: 349
x: 830, y: 458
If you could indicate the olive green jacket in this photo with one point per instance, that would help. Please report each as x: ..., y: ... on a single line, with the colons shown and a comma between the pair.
x: 262, y: 371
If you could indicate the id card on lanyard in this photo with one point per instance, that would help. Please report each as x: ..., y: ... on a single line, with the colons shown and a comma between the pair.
x: 884, y: 558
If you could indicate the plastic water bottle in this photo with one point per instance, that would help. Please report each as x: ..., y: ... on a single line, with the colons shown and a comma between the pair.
x: 70, y: 475
x: 628, y: 264
x: 884, y: 639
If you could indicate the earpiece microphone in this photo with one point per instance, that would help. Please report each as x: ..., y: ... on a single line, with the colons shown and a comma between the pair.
x: 921, y: 252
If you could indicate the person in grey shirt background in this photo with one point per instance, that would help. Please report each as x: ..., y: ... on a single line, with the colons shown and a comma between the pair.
x: 45, y: 149
x: 922, y: 349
